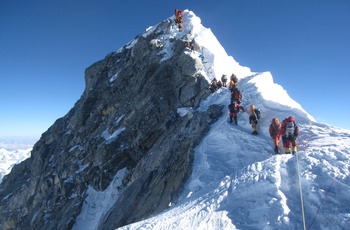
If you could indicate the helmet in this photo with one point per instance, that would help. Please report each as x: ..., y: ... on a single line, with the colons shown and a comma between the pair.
x: 252, y: 108
x: 291, y: 118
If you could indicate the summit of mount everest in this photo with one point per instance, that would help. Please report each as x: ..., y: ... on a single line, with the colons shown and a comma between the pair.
x: 149, y: 146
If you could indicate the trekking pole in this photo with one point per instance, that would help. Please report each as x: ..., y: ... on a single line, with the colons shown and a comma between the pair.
x: 301, y: 193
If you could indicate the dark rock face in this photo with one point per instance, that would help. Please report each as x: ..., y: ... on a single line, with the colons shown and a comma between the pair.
x: 126, y: 118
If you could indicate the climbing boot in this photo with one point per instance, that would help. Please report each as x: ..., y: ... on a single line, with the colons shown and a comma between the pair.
x: 294, y: 150
x: 287, y: 150
x: 277, y: 151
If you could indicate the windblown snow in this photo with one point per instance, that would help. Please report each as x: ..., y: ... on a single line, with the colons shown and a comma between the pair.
x: 237, y: 181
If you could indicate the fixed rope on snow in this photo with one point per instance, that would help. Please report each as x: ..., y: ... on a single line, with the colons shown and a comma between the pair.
x: 319, y: 207
x: 301, y: 193
x: 302, y: 200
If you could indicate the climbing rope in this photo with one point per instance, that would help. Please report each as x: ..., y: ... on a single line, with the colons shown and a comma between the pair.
x: 301, y: 193
x: 322, y: 203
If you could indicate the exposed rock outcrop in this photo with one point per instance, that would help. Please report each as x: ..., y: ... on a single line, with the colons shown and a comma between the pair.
x: 126, y: 118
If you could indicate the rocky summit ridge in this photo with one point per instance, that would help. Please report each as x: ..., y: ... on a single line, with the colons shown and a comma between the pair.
x: 126, y: 119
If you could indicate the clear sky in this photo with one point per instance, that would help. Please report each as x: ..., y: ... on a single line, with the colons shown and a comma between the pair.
x: 45, y: 47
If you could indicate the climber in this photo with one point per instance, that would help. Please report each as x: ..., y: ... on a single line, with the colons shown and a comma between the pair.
x: 224, y: 80
x: 274, y: 131
x: 289, y: 132
x: 178, y: 18
x: 178, y: 15
x: 219, y: 84
x: 236, y: 95
x: 180, y: 24
x: 234, y: 78
x: 214, y: 85
x: 232, y: 86
x: 190, y: 46
x: 254, y: 116
x: 234, y: 108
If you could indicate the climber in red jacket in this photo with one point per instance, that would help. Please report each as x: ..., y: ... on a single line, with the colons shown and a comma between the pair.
x: 234, y: 108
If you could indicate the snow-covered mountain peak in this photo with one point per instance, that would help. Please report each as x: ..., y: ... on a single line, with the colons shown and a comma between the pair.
x: 218, y: 62
x: 234, y: 182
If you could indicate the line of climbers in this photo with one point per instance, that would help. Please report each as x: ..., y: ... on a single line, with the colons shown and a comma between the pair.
x: 288, y: 129
x: 235, y: 105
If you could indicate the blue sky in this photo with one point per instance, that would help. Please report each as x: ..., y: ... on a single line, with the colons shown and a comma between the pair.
x: 45, y: 47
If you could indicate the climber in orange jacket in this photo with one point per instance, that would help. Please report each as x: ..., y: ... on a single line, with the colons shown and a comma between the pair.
x: 274, y: 130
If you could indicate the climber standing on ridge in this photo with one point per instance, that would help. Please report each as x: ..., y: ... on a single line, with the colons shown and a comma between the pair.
x: 254, y: 116
x: 234, y: 108
x: 178, y: 18
x: 224, y: 80
x: 274, y: 130
x: 234, y: 78
x: 214, y: 85
x: 289, y: 133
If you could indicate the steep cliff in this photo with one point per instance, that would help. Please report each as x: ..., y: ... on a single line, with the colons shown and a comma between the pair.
x: 126, y: 119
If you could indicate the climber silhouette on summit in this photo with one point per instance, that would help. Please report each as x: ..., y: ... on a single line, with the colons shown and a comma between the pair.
x: 178, y: 18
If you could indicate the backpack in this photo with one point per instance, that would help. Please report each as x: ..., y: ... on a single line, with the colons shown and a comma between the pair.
x: 219, y: 84
x: 275, y: 128
x: 232, y: 107
x: 234, y: 78
x: 290, y: 127
x: 224, y: 78
x: 236, y: 95
x: 257, y: 113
